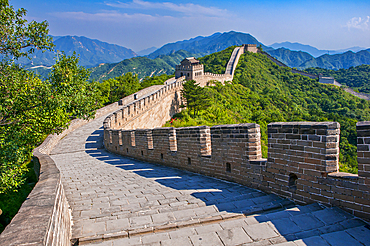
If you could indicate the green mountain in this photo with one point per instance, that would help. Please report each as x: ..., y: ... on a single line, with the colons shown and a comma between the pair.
x: 207, y: 45
x: 142, y: 66
x: 91, y: 51
x: 263, y: 92
x: 354, y: 77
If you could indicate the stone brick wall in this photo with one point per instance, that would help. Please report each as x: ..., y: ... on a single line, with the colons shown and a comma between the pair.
x: 303, y: 166
x: 363, y: 150
x: 149, y: 111
x: 230, y: 152
x: 302, y: 162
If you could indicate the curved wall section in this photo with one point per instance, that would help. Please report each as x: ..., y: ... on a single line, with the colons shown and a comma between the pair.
x: 45, y: 218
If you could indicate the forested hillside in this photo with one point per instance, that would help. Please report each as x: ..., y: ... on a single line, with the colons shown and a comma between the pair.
x: 262, y: 92
x: 358, y: 78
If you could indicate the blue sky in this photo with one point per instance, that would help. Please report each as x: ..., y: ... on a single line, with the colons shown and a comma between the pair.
x: 140, y: 24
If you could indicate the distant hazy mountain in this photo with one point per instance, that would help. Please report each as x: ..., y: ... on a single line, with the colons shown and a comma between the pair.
x: 91, y: 51
x: 303, y: 60
x: 207, y: 45
x: 147, y: 51
x: 312, y: 50
x: 338, y: 61
x: 142, y: 66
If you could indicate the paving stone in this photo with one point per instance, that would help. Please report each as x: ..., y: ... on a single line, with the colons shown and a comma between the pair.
x: 183, y: 232
x: 260, y: 231
x: 286, y: 244
x: 361, y: 234
x: 285, y: 226
x: 180, y: 241
x: 235, y: 236
x: 206, y: 240
x: 229, y: 224
x: 93, y: 228
x: 163, y: 217
x: 140, y: 221
x: 208, y: 228
x: 307, y: 221
x: 340, y: 239
x: 117, y: 225
x: 329, y: 216
x: 127, y: 241
x: 154, y: 238
x: 184, y: 214
x: 102, y: 243
x: 314, y: 241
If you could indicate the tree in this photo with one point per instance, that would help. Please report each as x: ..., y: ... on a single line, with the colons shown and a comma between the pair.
x: 195, y: 96
x: 31, y: 109
x: 16, y: 34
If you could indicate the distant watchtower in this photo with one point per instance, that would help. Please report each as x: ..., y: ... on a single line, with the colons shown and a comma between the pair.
x: 250, y: 47
x: 190, y: 68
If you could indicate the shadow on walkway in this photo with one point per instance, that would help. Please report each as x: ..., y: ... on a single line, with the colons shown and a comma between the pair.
x: 226, y: 196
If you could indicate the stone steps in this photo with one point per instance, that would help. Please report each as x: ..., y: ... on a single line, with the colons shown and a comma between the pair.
x: 299, y: 225
x: 141, y: 222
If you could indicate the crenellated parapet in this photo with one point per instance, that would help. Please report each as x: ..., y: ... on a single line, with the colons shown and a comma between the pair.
x: 302, y: 164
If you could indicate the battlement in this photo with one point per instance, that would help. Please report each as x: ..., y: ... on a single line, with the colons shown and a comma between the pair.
x: 302, y: 162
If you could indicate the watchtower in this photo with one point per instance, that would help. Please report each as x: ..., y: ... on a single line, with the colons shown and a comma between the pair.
x: 250, y: 47
x: 190, y: 68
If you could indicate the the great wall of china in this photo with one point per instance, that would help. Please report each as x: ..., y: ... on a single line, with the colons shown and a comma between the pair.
x: 302, y: 162
x: 303, y: 157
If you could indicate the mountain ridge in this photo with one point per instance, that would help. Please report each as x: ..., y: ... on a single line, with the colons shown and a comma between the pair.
x: 91, y: 51
x: 315, y: 52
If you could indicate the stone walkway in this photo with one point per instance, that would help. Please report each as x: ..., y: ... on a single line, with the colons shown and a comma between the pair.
x: 121, y: 201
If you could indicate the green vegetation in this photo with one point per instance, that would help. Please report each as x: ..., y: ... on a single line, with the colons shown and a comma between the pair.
x: 289, y: 57
x: 30, y: 108
x: 262, y: 92
x: 10, y: 202
x: 216, y: 62
x: 358, y: 78
x: 196, y: 97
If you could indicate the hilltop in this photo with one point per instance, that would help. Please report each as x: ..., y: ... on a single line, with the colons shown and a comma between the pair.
x: 207, y: 45
x: 263, y: 92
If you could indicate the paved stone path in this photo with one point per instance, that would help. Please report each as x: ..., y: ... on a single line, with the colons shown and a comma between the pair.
x: 121, y: 201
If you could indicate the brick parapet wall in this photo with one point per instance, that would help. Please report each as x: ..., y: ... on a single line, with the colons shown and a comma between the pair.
x: 158, y: 106
x: 363, y: 150
x: 230, y: 152
x: 303, y: 166
x: 302, y: 162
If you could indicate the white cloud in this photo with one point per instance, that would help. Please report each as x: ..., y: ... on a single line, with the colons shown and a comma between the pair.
x: 187, y: 9
x: 358, y: 23
x: 111, y: 16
